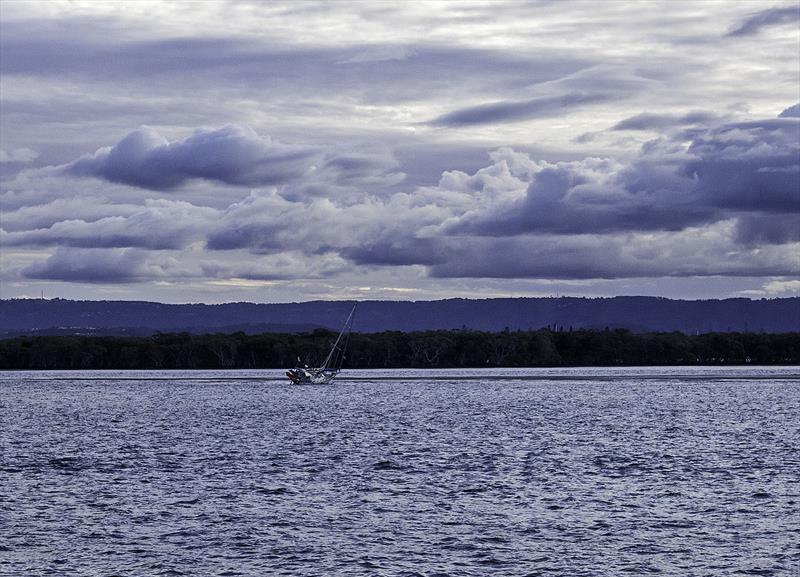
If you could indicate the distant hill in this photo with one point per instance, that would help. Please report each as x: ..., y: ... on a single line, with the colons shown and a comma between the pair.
x: 639, y: 314
x: 143, y: 331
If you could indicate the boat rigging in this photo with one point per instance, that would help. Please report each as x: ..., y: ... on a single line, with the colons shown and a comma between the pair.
x: 325, y: 373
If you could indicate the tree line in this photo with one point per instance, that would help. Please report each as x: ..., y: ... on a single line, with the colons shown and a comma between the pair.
x: 428, y: 349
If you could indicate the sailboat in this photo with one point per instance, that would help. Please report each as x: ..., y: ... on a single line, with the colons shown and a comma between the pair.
x: 325, y: 373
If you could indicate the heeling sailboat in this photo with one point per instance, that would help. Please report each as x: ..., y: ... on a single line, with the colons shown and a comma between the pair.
x: 325, y: 373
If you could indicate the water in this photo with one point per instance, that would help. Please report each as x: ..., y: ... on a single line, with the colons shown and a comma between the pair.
x: 678, y: 472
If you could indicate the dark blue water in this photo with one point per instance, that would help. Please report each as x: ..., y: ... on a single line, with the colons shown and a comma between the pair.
x: 576, y: 472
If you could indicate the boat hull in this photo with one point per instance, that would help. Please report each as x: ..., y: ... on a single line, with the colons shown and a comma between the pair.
x: 310, y: 376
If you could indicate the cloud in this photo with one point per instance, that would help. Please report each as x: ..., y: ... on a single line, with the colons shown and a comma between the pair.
x: 588, y: 196
x: 380, y: 53
x: 697, y: 251
x: 791, y: 287
x: 748, y: 166
x: 269, y: 223
x: 518, y: 110
x: 237, y: 156
x: 398, y: 252
x: 160, y: 224
x: 723, y: 204
x: 751, y: 167
x: 659, y: 122
x: 384, y: 71
x: 288, y: 265
x: 766, y: 18
x: 345, y: 175
x: 665, y: 213
x: 95, y: 266
x: 791, y: 112
x: 757, y: 229
x: 87, y: 208
x: 21, y: 155
x: 352, y: 97
x: 232, y: 155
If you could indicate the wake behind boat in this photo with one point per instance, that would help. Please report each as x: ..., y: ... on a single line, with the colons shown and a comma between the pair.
x: 325, y: 373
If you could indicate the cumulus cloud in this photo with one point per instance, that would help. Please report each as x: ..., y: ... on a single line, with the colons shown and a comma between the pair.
x: 751, y: 167
x: 589, y: 196
x: 766, y: 18
x: 325, y: 196
x: 267, y: 222
x: 232, y: 155
x: 724, y: 204
x: 593, y: 218
x: 237, y: 156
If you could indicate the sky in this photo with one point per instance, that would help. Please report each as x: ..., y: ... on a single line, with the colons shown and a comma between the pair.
x: 289, y: 151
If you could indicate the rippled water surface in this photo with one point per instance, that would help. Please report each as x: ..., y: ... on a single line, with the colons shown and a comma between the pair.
x: 680, y: 471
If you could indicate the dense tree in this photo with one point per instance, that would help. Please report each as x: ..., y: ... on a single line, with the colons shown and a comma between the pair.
x: 429, y: 349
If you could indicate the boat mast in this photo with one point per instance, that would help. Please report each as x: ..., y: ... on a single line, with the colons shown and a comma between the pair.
x: 347, y: 326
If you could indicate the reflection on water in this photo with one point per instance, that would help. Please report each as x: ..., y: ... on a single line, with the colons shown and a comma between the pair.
x: 681, y: 471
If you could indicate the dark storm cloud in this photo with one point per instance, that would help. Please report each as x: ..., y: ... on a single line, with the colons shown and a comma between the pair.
x: 649, y: 121
x: 514, y: 111
x: 765, y: 18
x: 232, y: 155
x: 93, y: 266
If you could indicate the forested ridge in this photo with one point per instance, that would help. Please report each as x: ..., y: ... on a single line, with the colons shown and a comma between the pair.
x: 428, y: 349
x: 41, y: 317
